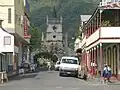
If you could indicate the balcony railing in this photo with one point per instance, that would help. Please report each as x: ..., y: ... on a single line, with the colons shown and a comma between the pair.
x: 107, y: 2
x: 110, y: 24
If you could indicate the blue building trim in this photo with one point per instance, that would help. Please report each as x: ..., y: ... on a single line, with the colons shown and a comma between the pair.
x: 27, y: 7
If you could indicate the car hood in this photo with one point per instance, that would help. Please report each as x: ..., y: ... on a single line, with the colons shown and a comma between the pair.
x: 69, y: 66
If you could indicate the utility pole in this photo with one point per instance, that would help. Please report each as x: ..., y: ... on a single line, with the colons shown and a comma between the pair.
x: 66, y: 43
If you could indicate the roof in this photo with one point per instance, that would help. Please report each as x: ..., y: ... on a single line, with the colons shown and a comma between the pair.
x: 6, y: 33
x: 85, y: 17
x: 91, y: 17
x: 69, y: 57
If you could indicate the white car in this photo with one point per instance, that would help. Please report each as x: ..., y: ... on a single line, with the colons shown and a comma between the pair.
x: 69, y: 66
x: 57, y: 65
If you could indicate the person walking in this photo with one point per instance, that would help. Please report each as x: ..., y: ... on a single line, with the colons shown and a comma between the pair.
x: 110, y: 73
x: 106, y: 73
x: 49, y: 66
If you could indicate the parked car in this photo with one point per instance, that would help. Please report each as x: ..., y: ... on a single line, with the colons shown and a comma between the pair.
x: 69, y: 66
x: 57, y: 65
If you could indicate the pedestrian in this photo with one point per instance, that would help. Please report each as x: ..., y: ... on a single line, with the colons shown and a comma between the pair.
x: 106, y: 73
x: 110, y: 73
x: 49, y: 65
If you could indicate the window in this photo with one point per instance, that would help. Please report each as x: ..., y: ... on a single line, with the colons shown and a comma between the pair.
x: 54, y: 36
x: 7, y: 40
x: 69, y: 61
x: 9, y: 15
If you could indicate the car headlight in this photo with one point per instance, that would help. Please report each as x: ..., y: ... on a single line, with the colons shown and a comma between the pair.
x: 76, y: 69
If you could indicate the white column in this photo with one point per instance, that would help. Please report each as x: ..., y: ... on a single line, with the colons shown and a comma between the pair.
x: 118, y: 58
x: 28, y: 55
x: 87, y: 59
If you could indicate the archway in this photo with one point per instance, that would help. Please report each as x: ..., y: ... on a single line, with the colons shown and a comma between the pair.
x: 54, y: 58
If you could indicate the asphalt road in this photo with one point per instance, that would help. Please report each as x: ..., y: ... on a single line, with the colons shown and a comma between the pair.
x: 45, y: 80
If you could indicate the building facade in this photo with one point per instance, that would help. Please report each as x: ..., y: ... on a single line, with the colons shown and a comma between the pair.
x: 54, y: 35
x: 6, y: 48
x: 12, y: 12
x: 77, y: 44
x: 101, y: 38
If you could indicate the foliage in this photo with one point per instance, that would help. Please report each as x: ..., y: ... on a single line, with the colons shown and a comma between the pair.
x: 35, y: 40
x: 106, y: 23
x: 69, y: 9
x: 47, y: 55
x: 78, y: 33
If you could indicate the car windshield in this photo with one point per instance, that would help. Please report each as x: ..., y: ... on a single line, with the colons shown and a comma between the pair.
x: 70, y: 61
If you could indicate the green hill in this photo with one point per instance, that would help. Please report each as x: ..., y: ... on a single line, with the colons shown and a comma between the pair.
x: 70, y: 10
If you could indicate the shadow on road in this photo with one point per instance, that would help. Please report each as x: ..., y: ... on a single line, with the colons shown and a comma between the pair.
x: 68, y: 76
x: 27, y: 75
x: 23, y: 76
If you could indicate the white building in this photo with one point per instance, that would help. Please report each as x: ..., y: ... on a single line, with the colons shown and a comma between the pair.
x: 12, y: 12
x: 7, y: 49
x: 77, y: 44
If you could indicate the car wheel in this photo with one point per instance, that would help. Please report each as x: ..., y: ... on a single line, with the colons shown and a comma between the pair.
x: 85, y: 77
x: 60, y: 74
x: 55, y: 69
x: 76, y: 75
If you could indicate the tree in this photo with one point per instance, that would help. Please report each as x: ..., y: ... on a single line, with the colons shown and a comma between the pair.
x: 35, y: 40
x: 106, y: 23
x: 79, y: 33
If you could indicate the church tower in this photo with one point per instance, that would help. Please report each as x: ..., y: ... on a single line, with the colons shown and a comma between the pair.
x: 54, y: 35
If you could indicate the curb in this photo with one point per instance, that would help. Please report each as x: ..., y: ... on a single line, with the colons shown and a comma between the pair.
x: 98, y: 80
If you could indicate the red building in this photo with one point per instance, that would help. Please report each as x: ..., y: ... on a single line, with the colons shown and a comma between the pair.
x: 101, y: 39
x: 26, y: 20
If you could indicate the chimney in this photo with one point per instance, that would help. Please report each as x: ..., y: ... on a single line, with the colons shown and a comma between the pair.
x: 1, y: 23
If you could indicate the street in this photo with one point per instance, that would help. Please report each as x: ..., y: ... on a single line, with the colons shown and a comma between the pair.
x: 46, y: 80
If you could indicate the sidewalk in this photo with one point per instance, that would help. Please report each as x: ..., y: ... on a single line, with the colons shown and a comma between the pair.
x: 100, y: 81
x: 12, y: 75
